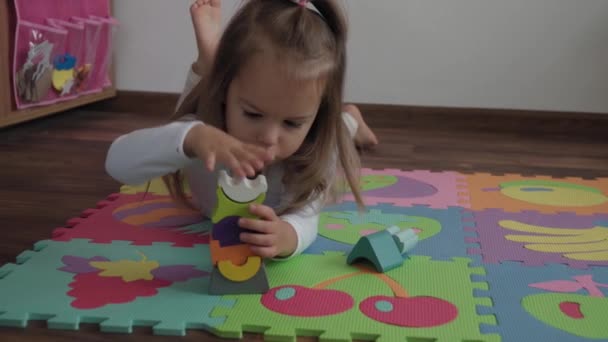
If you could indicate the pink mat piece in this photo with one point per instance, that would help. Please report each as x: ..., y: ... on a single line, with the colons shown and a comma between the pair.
x: 420, y: 187
x: 142, y: 219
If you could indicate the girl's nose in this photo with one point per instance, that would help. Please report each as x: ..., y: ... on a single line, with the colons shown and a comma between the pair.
x: 269, y: 137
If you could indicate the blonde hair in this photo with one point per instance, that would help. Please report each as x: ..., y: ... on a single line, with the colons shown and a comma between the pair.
x: 310, y: 45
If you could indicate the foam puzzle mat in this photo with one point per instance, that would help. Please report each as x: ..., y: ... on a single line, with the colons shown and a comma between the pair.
x: 499, y: 258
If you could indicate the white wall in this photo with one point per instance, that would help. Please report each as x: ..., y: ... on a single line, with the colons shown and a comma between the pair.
x: 520, y: 54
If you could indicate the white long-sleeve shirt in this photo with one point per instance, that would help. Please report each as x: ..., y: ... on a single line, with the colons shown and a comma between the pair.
x: 145, y: 154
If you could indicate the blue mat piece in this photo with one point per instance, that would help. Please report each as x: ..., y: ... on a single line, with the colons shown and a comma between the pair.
x: 509, y: 284
x: 165, y: 287
x: 444, y: 245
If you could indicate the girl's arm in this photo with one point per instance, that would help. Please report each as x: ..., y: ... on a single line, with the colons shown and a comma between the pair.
x: 145, y: 154
x: 142, y: 155
x: 305, y: 223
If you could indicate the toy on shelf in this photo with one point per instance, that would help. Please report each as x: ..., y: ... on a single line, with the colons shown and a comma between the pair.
x: 236, y: 270
x: 63, y: 73
x: 64, y: 45
x: 385, y: 249
x: 35, y: 77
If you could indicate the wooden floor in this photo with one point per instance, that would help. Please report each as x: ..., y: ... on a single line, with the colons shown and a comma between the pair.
x: 53, y: 168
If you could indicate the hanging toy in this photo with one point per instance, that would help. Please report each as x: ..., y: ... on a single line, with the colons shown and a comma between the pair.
x: 63, y: 75
x: 80, y: 75
x: 35, y: 77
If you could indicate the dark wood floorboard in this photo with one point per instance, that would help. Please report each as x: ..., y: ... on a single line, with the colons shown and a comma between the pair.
x: 53, y: 169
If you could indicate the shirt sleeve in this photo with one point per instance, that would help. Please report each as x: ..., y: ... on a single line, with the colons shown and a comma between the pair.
x: 192, y: 79
x: 145, y: 154
x: 305, y: 222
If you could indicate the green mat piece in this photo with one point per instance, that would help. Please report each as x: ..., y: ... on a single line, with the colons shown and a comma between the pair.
x: 419, y: 276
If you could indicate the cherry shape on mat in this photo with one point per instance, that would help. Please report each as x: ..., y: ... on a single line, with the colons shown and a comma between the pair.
x: 416, y: 312
x: 294, y: 300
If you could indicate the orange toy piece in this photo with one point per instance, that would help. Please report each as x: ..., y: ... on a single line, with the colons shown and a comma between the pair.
x: 237, y: 254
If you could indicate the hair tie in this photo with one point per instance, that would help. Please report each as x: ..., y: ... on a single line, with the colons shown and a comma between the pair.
x: 309, y: 5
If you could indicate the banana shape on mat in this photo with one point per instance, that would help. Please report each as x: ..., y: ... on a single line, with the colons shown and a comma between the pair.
x: 578, y: 244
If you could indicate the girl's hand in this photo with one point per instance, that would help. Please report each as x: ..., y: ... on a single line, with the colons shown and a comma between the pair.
x: 272, y: 236
x: 212, y: 145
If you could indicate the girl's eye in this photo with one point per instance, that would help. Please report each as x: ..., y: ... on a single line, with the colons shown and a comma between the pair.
x: 252, y: 115
x: 293, y: 124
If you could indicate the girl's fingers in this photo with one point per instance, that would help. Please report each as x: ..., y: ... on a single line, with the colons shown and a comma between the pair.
x: 243, y: 163
x: 243, y: 159
x: 252, y: 160
x: 247, y: 158
x: 264, y: 212
x: 255, y: 239
x: 248, y: 163
x: 234, y: 165
x: 254, y: 149
x: 249, y: 170
x: 211, y: 162
x: 258, y: 164
x: 260, y: 153
x: 258, y: 226
x: 264, y: 252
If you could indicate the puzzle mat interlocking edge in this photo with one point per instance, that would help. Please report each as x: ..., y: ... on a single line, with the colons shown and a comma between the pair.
x: 500, y: 258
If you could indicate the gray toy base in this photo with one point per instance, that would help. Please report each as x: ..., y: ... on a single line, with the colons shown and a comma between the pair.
x: 219, y: 285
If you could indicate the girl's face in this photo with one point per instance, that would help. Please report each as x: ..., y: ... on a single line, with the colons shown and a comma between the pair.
x: 267, y: 108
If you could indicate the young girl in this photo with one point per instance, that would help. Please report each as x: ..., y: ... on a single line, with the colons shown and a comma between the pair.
x: 271, y: 103
x: 206, y: 19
